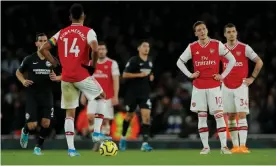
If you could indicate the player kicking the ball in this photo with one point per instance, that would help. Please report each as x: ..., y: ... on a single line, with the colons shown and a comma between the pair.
x: 74, y: 43
x: 235, y: 87
x: 205, y: 54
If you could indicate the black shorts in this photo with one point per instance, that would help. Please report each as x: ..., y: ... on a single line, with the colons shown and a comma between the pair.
x: 131, y: 102
x: 39, y: 105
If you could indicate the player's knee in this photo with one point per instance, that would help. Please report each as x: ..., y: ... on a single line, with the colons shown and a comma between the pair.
x: 32, y: 125
x: 70, y: 113
x: 232, y: 116
x: 218, y: 111
x: 90, y: 117
x: 129, y: 116
x: 45, y: 123
x: 145, y: 116
x: 242, y: 115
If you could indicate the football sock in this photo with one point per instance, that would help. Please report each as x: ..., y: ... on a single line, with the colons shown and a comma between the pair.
x: 232, y: 125
x: 221, y: 129
x: 145, y: 132
x: 243, y: 128
x: 125, y: 127
x: 69, y: 132
x: 203, y: 129
x: 26, y: 129
x: 42, y: 135
x: 98, y: 122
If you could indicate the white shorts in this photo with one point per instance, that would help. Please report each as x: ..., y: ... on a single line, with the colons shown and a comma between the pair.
x: 235, y: 100
x: 202, y: 99
x: 101, y: 106
x: 70, y: 92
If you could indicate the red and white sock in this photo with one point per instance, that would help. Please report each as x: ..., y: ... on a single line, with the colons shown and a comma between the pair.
x: 69, y: 132
x: 221, y: 129
x: 233, y: 129
x: 98, y: 122
x: 203, y: 129
x: 243, y: 129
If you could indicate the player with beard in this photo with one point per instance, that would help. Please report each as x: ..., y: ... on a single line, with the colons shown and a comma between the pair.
x: 138, y: 75
x: 235, y: 87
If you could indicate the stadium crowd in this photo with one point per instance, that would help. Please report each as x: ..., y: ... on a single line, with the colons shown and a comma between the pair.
x: 168, y: 27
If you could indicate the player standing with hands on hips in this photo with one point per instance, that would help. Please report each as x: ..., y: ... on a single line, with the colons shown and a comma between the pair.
x: 138, y: 74
x: 39, y: 97
x: 235, y: 87
x: 74, y: 43
x: 205, y: 54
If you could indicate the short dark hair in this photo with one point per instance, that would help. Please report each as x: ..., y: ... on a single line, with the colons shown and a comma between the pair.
x: 143, y: 41
x: 229, y: 25
x: 101, y: 43
x: 39, y: 35
x: 76, y: 11
x: 197, y: 23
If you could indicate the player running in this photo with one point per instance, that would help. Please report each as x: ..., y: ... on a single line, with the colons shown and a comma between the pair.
x: 107, y: 74
x: 39, y: 97
x: 205, y: 54
x: 74, y: 43
x: 138, y: 72
x: 235, y: 87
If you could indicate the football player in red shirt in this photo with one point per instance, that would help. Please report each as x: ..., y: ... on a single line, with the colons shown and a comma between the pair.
x: 205, y: 54
x: 235, y: 87
x: 74, y: 43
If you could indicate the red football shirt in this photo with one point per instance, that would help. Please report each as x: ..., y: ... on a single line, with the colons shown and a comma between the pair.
x: 73, y: 50
x: 241, y: 53
x: 206, y: 60
x: 104, y: 75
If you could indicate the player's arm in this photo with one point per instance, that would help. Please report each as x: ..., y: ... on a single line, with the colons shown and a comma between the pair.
x: 45, y: 49
x: 22, y: 68
x: 182, y: 60
x: 250, y: 53
x: 223, y: 51
x: 55, y: 77
x: 116, y: 81
x: 129, y: 70
x: 93, y: 42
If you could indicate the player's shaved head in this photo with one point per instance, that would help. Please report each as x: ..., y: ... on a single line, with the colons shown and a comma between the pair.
x: 197, y: 24
x: 76, y: 11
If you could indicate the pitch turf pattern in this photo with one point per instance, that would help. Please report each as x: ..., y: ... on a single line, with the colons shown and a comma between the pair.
x: 131, y: 157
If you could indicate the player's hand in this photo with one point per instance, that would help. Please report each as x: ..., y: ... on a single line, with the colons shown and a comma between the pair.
x: 195, y: 75
x: 218, y: 77
x: 53, y: 76
x: 248, y: 81
x: 90, y: 69
x: 115, y: 100
x: 151, y: 77
x: 143, y: 74
x: 27, y: 83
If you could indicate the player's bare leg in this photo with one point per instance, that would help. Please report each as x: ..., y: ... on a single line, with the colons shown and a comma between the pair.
x: 25, y: 133
x: 145, y: 113
x: 233, y: 129
x: 43, y: 133
x: 106, y: 127
x: 126, y: 122
x: 203, y: 131
x: 221, y: 129
x: 70, y: 131
x: 243, y: 130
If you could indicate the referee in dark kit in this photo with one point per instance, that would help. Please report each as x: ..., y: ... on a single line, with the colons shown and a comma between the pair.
x: 34, y: 73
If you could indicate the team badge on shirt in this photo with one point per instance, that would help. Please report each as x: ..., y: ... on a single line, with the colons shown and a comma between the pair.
x: 105, y: 66
x: 238, y: 53
x: 150, y: 64
x: 212, y: 51
x: 48, y: 64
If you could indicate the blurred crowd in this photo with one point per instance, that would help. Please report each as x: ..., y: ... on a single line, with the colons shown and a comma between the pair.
x: 168, y: 27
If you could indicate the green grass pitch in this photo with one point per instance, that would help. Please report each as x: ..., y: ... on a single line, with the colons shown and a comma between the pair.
x: 135, y: 157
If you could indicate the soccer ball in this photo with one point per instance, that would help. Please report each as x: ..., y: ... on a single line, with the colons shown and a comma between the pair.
x: 108, y: 148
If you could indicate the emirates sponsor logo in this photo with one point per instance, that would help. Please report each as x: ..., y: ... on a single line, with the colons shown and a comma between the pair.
x: 238, y: 64
x: 100, y: 75
x: 205, y: 61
